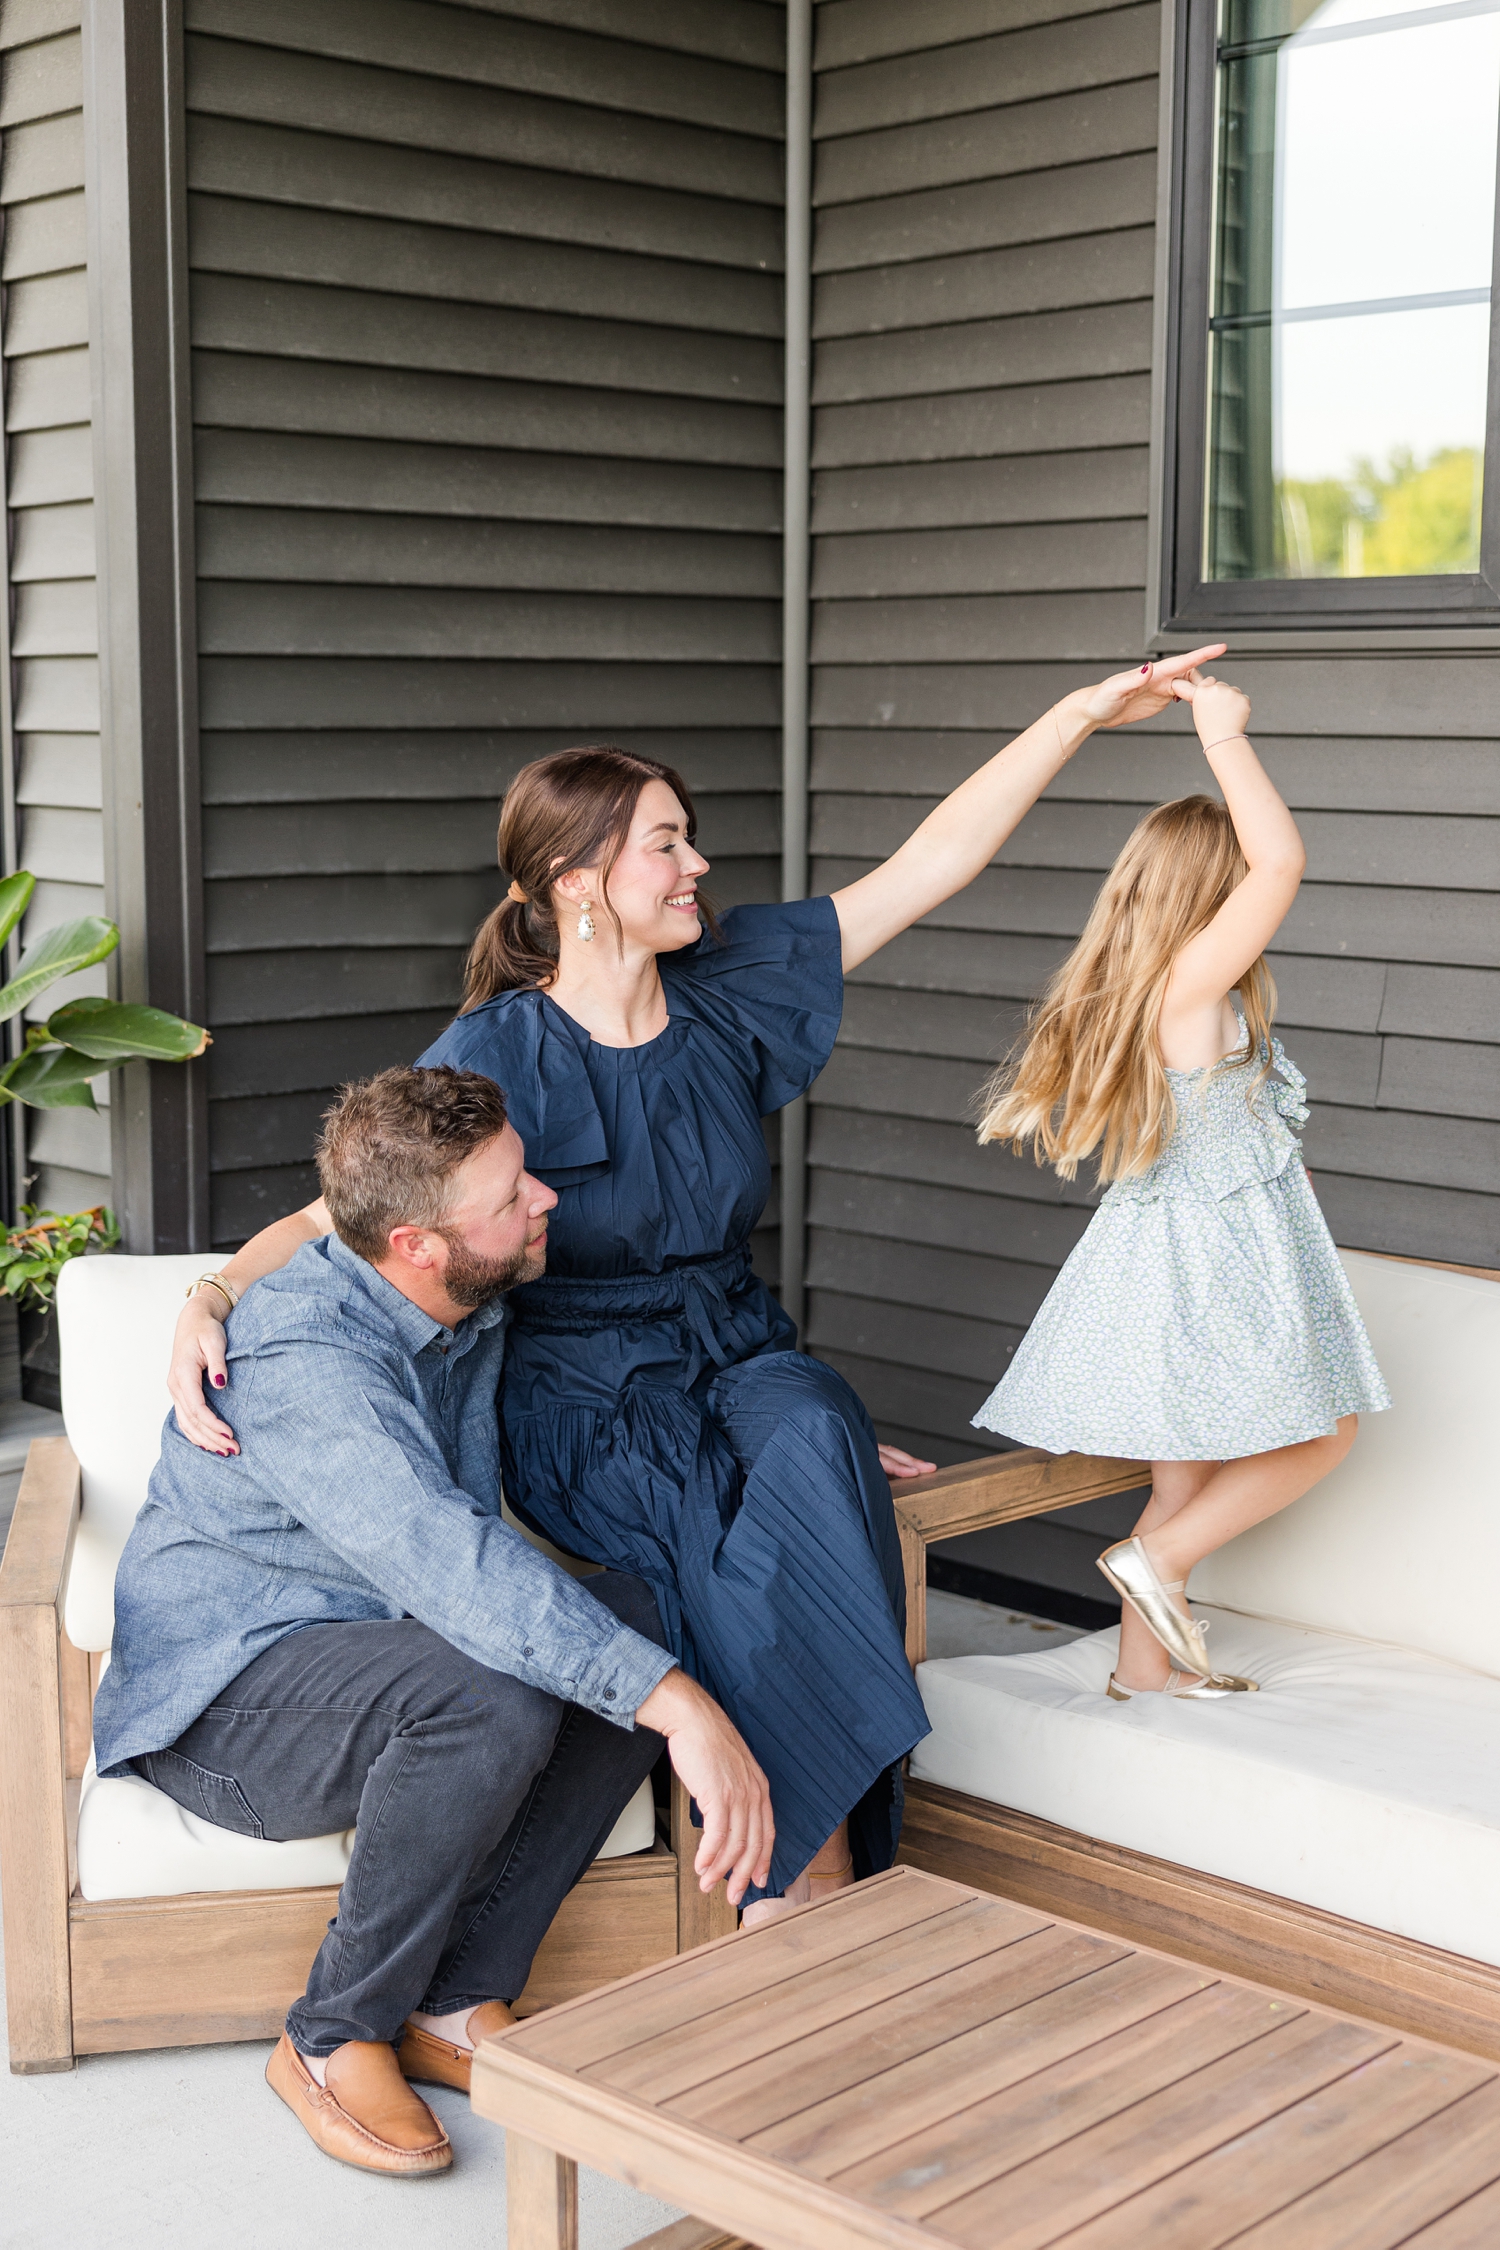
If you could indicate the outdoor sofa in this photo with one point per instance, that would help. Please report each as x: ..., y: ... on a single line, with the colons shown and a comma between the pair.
x: 1337, y: 1834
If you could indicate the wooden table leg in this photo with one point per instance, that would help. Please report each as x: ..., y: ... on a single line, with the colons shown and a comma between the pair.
x: 692, y: 2234
x: 541, y: 2192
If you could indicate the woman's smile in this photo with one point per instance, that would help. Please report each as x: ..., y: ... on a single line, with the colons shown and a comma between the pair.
x: 685, y: 902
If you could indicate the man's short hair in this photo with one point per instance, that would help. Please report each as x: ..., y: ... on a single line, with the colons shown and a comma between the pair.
x: 391, y: 1145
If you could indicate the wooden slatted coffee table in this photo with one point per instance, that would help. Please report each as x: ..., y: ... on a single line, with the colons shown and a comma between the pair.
x: 914, y: 2064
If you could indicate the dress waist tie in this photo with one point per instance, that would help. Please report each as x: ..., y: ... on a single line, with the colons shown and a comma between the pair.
x: 563, y: 1304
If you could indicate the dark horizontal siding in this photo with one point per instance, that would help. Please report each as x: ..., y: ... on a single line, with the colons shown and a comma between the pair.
x: 410, y: 104
x: 268, y: 391
x: 51, y: 589
x: 986, y: 187
x: 485, y: 313
x: 304, y: 469
x: 275, y: 164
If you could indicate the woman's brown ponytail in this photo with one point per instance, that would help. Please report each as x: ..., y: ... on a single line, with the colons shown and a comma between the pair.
x: 505, y: 954
x: 573, y: 809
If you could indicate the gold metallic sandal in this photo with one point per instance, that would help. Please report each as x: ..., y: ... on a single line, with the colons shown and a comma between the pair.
x: 1202, y: 1690
x: 1127, y: 1566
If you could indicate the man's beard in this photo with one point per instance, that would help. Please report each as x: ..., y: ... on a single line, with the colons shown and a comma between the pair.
x: 472, y: 1281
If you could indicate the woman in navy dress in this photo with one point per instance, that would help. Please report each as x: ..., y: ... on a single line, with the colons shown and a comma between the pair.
x: 656, y: 1415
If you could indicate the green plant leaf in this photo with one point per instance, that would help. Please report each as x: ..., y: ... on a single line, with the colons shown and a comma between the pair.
x: 52, y: 1078
x: 118, y: 1031
x: 57, y: 953
x: 15, y: 897
x: 32, y: 1256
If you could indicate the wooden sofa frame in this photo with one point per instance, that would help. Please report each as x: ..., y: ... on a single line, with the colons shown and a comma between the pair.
x: 1225, y: 1925
x: 87, y: 1976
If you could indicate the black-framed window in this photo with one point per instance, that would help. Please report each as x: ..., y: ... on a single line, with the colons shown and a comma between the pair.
x: 1334, y: 408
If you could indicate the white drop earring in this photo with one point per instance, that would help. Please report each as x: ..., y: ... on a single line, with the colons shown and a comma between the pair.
x: 586, y: 922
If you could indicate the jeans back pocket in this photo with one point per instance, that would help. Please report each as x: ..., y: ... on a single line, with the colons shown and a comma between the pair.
x: 215, y: 1797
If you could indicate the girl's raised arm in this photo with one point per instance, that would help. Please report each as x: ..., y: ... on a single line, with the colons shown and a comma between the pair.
x: 198, y: 1345
x: 1211, y: 964
x: 967, y: 829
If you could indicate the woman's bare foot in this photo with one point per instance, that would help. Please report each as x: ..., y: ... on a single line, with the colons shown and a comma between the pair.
x: 830, y: 1869
x: 767, y: 1909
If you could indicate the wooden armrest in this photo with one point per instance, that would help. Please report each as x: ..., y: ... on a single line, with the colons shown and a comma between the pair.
x: 978, y: 1494
x: 35, y: 1569
x: 36, y: 1665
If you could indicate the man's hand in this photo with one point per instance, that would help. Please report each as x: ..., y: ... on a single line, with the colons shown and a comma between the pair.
x: 198, y: 1350
x: 712, y: 1763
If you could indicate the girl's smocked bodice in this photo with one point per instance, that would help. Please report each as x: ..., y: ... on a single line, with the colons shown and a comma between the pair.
x: 1225, y: 1137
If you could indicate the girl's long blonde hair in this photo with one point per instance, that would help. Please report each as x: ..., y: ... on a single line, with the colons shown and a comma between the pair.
x: 1088, y: 1074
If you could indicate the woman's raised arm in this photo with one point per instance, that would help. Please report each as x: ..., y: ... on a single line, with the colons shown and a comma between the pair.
x: 198, y: 1346
x: 967, y: 829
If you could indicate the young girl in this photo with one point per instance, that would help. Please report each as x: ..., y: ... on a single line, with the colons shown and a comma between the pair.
x: 1204, y: 1322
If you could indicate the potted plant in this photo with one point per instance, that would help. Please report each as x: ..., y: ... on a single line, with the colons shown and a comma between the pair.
x: 31, y: 1258
x: 51, y: 1069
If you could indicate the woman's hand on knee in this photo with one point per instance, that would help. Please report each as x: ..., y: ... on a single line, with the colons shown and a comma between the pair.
x: 711, y: 1760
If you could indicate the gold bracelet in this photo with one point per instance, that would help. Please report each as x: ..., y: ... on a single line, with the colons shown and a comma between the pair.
x: 229, y: 1294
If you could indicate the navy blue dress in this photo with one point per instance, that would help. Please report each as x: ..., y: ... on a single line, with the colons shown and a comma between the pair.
x: 656, y: 1414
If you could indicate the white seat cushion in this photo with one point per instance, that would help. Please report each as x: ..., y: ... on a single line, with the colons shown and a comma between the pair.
x: 1363, y: 1779
x: 1402, y: 1542
x: 133, y: 1842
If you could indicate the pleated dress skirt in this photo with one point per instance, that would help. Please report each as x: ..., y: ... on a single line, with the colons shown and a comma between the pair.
x: 753, y: 1501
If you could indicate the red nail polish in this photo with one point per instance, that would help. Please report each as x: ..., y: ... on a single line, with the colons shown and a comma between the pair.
x: 1145, y: 668
x: 218, y: 1382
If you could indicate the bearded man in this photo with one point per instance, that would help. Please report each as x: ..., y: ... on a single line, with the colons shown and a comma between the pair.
x: 330, y: 1626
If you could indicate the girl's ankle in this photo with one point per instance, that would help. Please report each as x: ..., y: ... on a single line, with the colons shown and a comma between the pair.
x: 1172, y: 1684
x: 1167, y: 1571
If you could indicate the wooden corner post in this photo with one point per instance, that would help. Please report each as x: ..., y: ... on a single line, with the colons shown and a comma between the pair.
x: 701, y: 1915
x: 134, y: 123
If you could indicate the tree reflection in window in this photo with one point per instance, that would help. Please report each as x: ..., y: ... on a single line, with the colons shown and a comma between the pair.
x: 1353, y: 241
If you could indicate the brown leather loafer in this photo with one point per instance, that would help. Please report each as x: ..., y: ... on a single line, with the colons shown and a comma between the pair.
x: 366, y: 2115
x: 438, y: 2062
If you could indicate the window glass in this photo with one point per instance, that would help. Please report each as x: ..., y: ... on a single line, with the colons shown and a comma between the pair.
x: 1353, y: 241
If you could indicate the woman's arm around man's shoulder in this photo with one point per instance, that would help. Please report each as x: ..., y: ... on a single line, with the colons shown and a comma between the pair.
x: 198, y: 1346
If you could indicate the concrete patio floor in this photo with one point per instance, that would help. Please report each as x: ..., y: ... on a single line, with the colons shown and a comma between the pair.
x: 187, y: 2145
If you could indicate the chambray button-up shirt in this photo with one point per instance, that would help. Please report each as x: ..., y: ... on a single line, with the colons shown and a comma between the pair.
x: 367, y: 1486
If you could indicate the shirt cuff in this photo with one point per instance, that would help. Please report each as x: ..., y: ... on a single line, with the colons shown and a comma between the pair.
x: 619, y: 1676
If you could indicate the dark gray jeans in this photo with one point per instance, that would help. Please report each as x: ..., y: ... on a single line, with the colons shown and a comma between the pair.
x: 476, y: 1802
